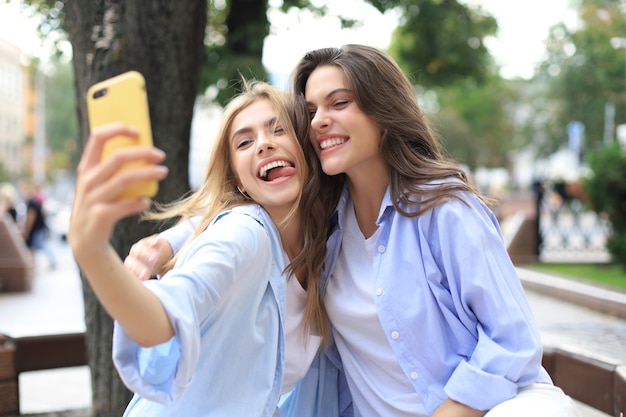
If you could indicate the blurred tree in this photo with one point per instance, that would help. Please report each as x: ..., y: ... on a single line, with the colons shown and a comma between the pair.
x: 440, y: 45
x: 439, y: 42
x: 4, y: 174
x: 605, y: 189
x: 61, y: 117
x: 476, y: 122
x: 235, y: 35
x: 585, y: 75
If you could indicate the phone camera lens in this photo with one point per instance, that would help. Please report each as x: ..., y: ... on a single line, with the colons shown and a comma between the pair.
x: 100, y: 93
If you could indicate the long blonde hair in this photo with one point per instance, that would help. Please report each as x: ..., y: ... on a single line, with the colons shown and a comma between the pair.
x: 219, y: 192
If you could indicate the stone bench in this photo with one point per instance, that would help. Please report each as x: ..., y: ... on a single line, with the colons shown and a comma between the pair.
x: 595, y: 381
x: 34, y: 353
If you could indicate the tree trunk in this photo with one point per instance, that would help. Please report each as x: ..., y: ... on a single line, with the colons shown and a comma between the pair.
x: 164, y: 40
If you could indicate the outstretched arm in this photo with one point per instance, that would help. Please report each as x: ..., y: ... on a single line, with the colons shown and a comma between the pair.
x: 97, y: 207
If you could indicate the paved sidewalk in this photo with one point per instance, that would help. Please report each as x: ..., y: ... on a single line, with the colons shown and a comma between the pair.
x: 55, y: 305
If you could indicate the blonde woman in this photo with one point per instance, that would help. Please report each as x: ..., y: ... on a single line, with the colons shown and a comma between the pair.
x: 209, y: 337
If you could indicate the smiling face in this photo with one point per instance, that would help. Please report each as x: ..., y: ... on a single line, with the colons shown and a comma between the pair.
x: 346, y: 139
x: 263, y: 156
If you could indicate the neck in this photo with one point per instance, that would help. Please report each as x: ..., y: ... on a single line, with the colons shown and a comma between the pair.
x: 291, y: 236
x: 367, y: 192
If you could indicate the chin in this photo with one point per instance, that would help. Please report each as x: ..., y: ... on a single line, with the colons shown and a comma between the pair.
x: 331, y: 169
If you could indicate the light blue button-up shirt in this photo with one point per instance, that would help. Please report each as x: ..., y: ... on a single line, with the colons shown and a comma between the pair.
x: 226, y: 300
x: 450, y: 303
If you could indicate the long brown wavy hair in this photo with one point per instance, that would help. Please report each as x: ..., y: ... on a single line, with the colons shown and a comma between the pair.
x: 408, y: 145
x: 219, y: 192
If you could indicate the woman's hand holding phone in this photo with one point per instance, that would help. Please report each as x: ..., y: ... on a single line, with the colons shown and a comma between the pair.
x: 101, y: 183
x: 123, y: 99
x: 119, y: 170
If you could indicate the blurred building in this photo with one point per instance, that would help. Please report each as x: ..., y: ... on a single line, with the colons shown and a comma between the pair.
x: 12, y: 109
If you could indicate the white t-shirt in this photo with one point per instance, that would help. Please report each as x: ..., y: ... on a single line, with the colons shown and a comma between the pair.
x: 376, y: 380
x: 299, y: 350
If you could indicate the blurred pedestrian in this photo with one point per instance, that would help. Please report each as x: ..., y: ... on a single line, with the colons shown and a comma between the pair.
x: 8, y: 200
x: 35, y: 229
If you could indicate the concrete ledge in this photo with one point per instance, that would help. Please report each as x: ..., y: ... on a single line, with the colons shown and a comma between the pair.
x: 521, y: 239
x: 597, y: 381
x: 595, y: 298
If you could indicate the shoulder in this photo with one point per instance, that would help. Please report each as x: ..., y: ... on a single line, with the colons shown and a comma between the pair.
x: 459, y: 210
x: 249, y: 220
x: 237, y: 232
x: 245, y: 212
x: 436, y: 196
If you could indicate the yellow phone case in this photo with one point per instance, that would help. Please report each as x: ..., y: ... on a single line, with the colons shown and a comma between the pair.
x: 123, y: 99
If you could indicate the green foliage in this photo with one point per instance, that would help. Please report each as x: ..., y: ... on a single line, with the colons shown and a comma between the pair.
x: 585, y: 73
x: 224, y: 69
x: 441, y: 41
x: 475, y: 122
x: 61, y: 118
x: 606, y: 275
x: 4, y: 174
x: 606, y: 193
x: 236, y: 30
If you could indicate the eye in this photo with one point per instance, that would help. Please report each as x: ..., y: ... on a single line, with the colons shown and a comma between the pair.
x: 312, y: 113
x: 278, y: 130
x: 341, y: 103
x: 243, y: 142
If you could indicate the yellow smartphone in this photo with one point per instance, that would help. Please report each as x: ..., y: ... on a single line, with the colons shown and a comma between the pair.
x: 123, y: 99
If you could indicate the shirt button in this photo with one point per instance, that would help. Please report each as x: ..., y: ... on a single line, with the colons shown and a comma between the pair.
x: 413, y: 375
x: 379, y: 291
x: 381, y: 249
x: 395, y: 335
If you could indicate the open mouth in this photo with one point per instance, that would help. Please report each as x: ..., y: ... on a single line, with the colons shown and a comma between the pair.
x: 276, y: 169
x: 329, y: 143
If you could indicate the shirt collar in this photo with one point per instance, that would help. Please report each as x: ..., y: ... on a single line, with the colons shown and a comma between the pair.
x: 339, y: 215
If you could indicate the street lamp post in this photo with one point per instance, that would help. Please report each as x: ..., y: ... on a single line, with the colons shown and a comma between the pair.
x: 620, y: 43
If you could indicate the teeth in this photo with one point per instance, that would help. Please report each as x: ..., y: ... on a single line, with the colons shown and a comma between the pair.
x: 271, y: 165
x: 331, y: 142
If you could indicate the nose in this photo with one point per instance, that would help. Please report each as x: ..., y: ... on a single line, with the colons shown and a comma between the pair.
x: 265, y: 143
x: 320, y: 121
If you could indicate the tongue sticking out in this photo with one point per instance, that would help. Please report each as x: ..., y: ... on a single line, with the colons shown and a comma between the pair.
x: 279, y: 172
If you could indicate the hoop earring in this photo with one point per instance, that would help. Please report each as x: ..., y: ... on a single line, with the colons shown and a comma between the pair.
x: 244, y: 194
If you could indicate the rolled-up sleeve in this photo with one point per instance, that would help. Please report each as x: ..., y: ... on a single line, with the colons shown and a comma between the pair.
x: 491, y: 304
x: 216, y: 265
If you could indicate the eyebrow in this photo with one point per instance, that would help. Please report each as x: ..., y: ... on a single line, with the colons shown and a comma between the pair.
x: 332, y: 92
x: 271, y: 122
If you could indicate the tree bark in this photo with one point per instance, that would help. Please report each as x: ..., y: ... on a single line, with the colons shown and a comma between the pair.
x: 164, y: 40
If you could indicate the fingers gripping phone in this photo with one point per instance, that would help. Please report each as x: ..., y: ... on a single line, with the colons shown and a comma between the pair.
x: 123, y: 99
